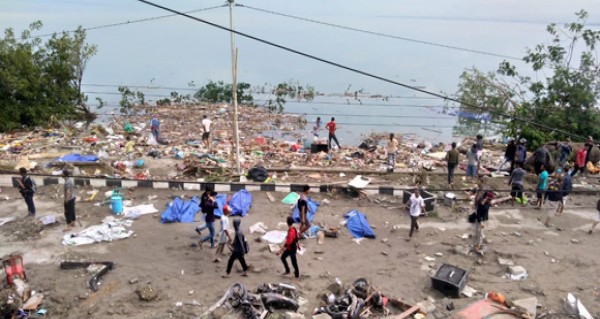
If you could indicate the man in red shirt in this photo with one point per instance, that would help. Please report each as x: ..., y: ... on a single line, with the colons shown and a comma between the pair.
x: 331, y: 127
x: 579, y: 161
x: 290, y: 248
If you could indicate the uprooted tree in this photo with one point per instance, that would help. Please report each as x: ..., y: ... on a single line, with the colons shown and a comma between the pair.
x: 562, y: 97
x: 40, y: 82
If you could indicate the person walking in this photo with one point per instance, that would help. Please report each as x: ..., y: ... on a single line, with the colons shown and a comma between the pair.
x: 589, y: 144
x: 206, y: 122
x: 541, y: 186
x: 303, y: 208
x: 392, y: 150
x: 553, y: 196
x: 479, y: 143
x: 416, y: 205
x: 483, y: 201
x: 290, y: 248
x: 239, y: 249
x: 541, y: 158
x: 209, y: 220
x: 331, y: 126
x: 155, y: 127
x: 509, y: 155
x: 516, y: 183
x: 472, y: 163
x: 566, y: 188
x: 225, y: 237
x: 580, y: 163
x: 317, y: 126
x: 69, y: 200
x: 27, y: 188
x: 452, y: 158
x: 565, y: 152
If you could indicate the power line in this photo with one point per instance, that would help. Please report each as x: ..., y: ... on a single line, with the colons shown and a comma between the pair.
x: 341, y: 66
x: 380, y: 34
x: 128, y: 22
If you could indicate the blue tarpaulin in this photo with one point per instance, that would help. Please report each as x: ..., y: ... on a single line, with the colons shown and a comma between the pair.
x: 312, y: 210
x: 180, y: 211
x: 358, y: 225
x: 240, y: 203
x: 78, y: 158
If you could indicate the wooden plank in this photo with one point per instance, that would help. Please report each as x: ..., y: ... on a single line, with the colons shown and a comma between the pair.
x: 270, y: 196
x: 408, y: 312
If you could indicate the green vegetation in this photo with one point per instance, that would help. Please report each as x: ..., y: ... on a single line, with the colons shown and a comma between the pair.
x: 562, y: 96
x: 41, y: 81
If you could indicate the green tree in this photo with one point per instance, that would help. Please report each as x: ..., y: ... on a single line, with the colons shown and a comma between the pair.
x: 562, y: 97
x: 130, y: 99
x: 216, y: 92
x: 38, y: 81
x: 288, y: 90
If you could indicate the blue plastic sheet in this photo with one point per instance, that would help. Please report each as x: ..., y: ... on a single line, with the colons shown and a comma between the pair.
x: 78, y: 158
x: 358, y: 225
x: 311, y: 211
x: 180, y: 211
x: 240, y: 203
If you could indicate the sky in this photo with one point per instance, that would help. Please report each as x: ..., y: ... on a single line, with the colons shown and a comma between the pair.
x: 173, y: 51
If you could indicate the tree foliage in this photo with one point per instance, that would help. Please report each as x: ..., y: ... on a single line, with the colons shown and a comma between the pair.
x: 130, y: 99
x: 216, y: 92
x: 562, y: 96
x: 41, y: 81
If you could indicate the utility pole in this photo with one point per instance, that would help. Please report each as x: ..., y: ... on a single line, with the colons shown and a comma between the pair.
x: 234, y: 93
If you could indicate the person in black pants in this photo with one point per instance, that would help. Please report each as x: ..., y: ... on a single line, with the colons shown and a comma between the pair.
x: 240, y: 248
x: 290, y: 248
x: 27, y: 189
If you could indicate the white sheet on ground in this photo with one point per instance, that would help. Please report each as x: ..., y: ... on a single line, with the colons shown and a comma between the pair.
x: 139, y: 210
x: 110, y: 229
x: 258, y: 227
x: 4, y: 220
x: 275, y: 236
x: 359, y: 182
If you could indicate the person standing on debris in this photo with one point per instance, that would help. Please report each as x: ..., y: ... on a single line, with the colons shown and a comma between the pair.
x: 416, y: 205
x: 509, y: 155
x: 69, y: 200
x: 331, y: 126
x: 209, y: 220
x: 483, y: 201
x: 566, y: 188
x: 580, y: 157
x: 590, y: 146
x: 290, y: 248
x: 224, y: 237
x: 155, y: 127
x: 516, y: 183
x: 239, y: 249
x: 303, y: 208
x: 541, y: 158
x: 27, y: 188
x: 597, y: 220
x: 129, y: 147
x: 554, y: 197
x: 541, y: 186
x: 452, y: 159
x: 479, y: 143
x: 521, y: 154
x: 472, y: 163
x: 392, y: 149
x: 317, y: 127
x: 206, y: 122
x: 565, y: 152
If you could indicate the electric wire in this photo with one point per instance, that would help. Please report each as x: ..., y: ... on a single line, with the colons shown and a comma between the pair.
x: 367, y: 74
x: 104, y: 26
x: 379, y: 33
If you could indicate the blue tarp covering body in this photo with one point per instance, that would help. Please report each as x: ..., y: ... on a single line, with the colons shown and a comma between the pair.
x: 78, y: 158
x: 358, y: 225
x: 312, y: 210
x: 240, y: 203
x: 180, y: 211
x: 221, y: 201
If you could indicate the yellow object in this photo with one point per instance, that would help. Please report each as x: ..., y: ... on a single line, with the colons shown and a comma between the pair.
x: 592, y: 169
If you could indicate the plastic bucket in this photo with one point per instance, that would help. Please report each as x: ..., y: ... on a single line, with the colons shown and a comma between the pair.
x: 449, y: 199
x: 116, y: 203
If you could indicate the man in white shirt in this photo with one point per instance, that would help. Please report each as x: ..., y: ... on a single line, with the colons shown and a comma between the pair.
x: 206, y: 122
x: 225, y: 236
x: 416, y: 204
x: 392, y: 149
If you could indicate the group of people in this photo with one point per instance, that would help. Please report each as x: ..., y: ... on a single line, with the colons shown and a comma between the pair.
x: 331, y: 127
x: 235, y: 239
x: 206, y: 125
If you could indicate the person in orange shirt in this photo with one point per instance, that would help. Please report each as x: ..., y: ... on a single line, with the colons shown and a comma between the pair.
x: 332, y: 127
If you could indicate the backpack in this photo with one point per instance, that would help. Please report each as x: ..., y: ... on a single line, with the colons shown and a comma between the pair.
x: 33, y: 184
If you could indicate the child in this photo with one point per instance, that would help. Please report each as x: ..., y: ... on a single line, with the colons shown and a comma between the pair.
x: 225, y: 237
x: 129, y: 147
